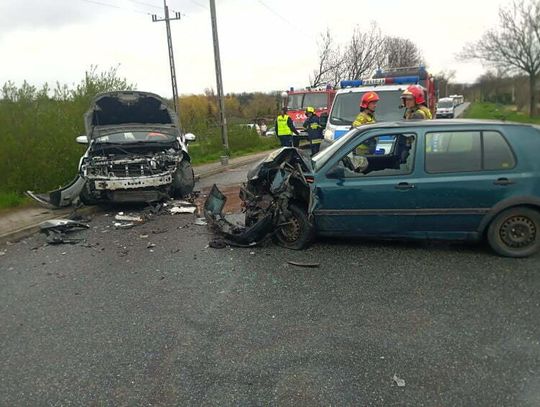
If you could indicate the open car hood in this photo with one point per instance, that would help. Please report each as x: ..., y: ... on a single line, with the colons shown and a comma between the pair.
x: 115, y: 109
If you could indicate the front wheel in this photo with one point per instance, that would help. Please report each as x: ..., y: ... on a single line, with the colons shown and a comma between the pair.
x: 297, y: 232
x: 515, y: 232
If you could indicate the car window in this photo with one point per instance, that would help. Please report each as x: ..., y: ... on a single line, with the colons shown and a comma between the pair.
x: 497, y: 152
x: 380, y: 155
x: 453, y: 151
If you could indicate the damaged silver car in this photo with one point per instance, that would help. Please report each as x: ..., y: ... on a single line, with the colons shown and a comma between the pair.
x: 136, y: 153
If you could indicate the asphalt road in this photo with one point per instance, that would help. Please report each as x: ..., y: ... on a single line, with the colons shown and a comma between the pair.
x: 119, y: 322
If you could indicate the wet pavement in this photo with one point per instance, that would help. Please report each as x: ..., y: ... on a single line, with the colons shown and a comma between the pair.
x: 151, y: 316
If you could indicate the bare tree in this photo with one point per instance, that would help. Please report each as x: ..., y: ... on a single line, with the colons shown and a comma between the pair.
x: 513, y: 46
x: 330, y: 62
x: 364, y: 53
x: 443, y: 79
x: 400, y: 52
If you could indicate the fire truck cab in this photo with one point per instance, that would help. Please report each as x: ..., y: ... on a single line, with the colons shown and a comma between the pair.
x: 389, y: 85
x: 298, y: 100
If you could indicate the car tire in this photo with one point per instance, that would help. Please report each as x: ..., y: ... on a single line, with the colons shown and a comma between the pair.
x: 515, y: 232
x: 183, y: 180
x: 298, y: 233
x: 86, y: 196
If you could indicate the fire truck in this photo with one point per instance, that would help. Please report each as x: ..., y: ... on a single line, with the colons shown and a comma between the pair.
x: 389, y: 85
x: 298, y: 100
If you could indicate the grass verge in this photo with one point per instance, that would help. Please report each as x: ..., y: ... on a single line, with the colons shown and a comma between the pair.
x: 494, y: 111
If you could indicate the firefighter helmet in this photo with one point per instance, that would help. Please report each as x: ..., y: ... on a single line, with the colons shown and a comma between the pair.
x: 414, y: 92
x: 367, y: 98
x: 310, y: 109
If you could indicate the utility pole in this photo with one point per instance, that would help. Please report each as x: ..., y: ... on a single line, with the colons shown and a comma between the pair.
x: 168, y: 20
x: 219, y: 80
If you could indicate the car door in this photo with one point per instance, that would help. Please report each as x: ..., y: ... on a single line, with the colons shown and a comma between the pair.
x: 467, y: 172
x: 376, y: 202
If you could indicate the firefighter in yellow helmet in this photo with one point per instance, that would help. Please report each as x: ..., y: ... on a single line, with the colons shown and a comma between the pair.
x: 368, y: 104
x: 415, y: 103
x: 314, y: 130
x: 285, y: 129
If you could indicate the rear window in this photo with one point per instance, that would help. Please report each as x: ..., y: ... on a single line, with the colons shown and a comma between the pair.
x: 466, y: 151
x: 497, y: 152
x: 453, y: 152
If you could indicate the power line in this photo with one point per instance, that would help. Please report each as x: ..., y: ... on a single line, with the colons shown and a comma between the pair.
x: 99, y: 3
x: 142, y: 3
x: 295, y: 26
x: 199, y: 4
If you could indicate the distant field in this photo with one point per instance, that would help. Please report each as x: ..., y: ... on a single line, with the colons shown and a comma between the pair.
x: 498, y: 112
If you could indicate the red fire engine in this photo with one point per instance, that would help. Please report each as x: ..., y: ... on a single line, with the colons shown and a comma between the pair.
x: 298, y: 100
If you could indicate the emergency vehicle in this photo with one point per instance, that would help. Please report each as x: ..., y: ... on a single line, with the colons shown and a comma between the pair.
x: 298, y: 100
x: 389, y: 85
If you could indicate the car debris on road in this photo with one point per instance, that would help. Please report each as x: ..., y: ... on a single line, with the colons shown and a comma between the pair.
x: 56, y: 230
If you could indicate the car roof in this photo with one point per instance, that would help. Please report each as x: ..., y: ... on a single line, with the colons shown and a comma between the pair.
x: 446, y: 122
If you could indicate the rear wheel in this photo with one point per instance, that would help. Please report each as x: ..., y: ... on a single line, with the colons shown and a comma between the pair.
x: 297, y: 232
x: 183, y: 180
x: 515, y: 232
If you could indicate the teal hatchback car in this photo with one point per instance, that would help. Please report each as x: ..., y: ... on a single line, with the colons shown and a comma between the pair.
x: 444, y: 179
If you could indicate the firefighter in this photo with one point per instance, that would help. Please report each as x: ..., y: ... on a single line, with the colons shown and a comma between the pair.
x: 368, y: 104
x: 415, y: 103
x: 285, y: 129
x: 314, y: 130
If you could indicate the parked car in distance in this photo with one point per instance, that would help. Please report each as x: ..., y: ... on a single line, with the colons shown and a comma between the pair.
x: 444, y: 179
x: 136, y: 153
x: 445, y: 108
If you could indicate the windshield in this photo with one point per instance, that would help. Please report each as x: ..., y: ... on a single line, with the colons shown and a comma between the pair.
x: 299, y: 101
x: 345, y: 108
x: 445, y: 104
x: 134, y: 137
x: 294, y: 102
x: 319, y: 159
x: 316, y: 100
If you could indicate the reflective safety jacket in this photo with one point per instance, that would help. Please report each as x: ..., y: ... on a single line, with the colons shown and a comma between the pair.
x: 419, y: 112
x: 285, y: 126
x: 364, y: 118
x: 314, y: 129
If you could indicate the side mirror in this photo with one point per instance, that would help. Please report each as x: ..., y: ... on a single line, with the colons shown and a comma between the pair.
x: 337, y: 172
x: 82, y: 140
x: 190, y: 137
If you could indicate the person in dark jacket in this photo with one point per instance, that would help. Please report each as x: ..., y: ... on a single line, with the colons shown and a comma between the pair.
x: 314, y: 130
x: 285, y: 129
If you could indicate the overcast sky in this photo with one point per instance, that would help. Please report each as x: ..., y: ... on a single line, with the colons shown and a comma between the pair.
x: 265, y: 44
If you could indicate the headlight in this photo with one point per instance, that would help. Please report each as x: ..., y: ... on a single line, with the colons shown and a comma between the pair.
x: 329, y: 134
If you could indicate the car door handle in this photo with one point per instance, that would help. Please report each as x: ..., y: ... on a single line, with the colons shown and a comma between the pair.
x: 404, y: 186
x: 503, y: 181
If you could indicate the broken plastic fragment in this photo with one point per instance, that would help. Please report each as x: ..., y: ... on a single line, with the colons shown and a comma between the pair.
x: 299, y: 264
x: 182, y: 209
x: 399, y: 382
x: 123, y: 225
x: 200, y: 222
x: 127, y: 218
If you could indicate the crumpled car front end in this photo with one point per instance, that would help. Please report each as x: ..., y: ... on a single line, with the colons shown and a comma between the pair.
x: 275, y: 199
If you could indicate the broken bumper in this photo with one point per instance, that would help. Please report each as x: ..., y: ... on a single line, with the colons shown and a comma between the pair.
x: 113, y: 184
